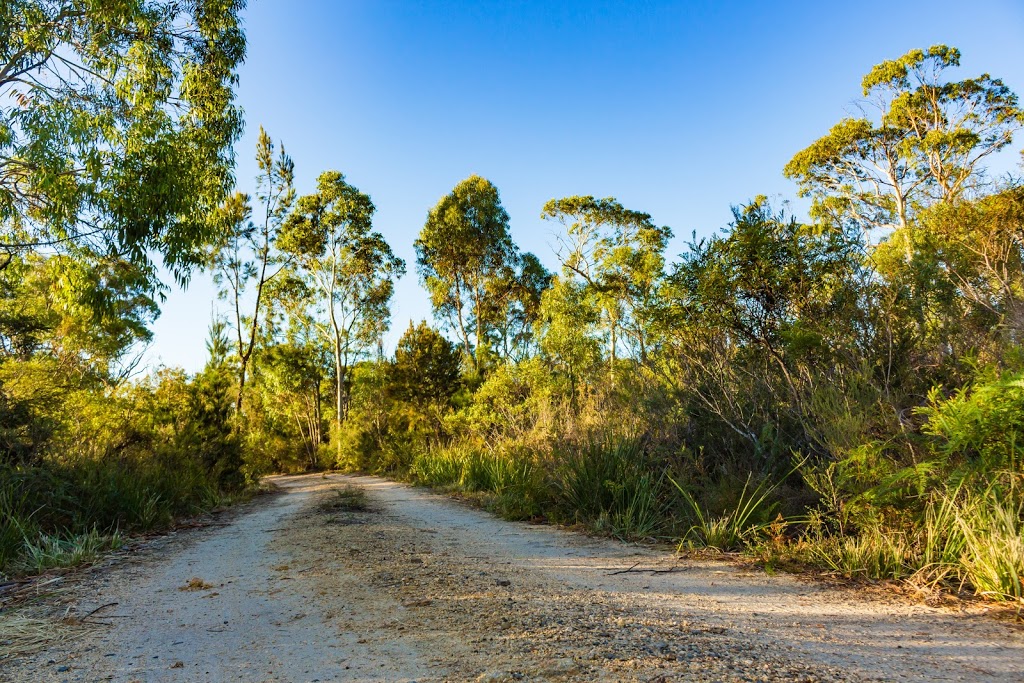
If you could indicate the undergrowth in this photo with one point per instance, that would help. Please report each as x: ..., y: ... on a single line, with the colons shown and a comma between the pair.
x: 968, y: 537
x: 54, y: 515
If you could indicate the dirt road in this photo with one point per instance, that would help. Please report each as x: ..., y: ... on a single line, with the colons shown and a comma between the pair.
x: 301, y: 587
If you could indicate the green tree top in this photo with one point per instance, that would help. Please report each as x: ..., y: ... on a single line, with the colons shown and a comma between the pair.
x: 463, y: 250
x: 116, y: 124
x: 427, y: 367
x: 335, y: 251
x: 617, y: 253
x: 925, y: 144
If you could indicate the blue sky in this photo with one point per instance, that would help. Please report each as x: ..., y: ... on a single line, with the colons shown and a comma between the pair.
x: 679, y: 109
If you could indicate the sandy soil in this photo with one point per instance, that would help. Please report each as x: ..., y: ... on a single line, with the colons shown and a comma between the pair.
x: 418, y: 587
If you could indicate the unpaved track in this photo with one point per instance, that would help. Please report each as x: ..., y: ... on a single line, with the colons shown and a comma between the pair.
x: 422, y: 588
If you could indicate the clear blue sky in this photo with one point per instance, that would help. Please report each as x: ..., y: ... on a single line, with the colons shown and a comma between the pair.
x: 679, y: 109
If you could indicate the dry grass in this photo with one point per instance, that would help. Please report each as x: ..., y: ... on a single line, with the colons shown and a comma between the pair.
x: 349, y: 498
x: 24, y: 635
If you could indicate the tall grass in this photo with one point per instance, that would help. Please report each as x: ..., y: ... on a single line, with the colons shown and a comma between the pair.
x: 513, y: 478
x: 613, y: 485
x: 60, y: 513
x: 610, y: 485
x: 993, y: 536
x: 965, y: 538
x: 874, y: 554
x: 733, y: 529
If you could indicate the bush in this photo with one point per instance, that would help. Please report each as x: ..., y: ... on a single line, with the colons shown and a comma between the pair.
x: 981, y: 426
x: 615, y: 486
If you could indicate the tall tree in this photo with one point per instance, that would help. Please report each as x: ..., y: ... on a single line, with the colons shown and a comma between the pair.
x: 618, y: 254
x: 331, y: 239
x: 462, y: 253
x: 924, y: 141
x: 244, y: 258
x: 298, y: 357
x: 116, y: 125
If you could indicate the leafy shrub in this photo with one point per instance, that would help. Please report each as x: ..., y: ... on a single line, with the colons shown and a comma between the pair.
x: 981, y: 425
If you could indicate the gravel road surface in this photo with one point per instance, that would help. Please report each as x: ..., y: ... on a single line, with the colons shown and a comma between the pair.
x: 301, y: 587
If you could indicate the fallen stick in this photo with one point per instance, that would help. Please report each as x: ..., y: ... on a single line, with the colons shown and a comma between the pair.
x: 101, y: 607
x: 650, y: 570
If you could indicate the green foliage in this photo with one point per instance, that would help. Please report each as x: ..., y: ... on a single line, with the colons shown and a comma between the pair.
x: 49, y: 505
x: 117, y: 125
x: 875, y: 554
x: 992, y: 525
x: 734, y: 529
x: 754, y: 322
x: 467, y: 261
x: 516, y: 402
x: 208, y: 431
x: 878, y: 346
x: 926, y: 144
x: 426, y: 369
x: 515, y: 482
x: 336, y: 253
x: 244, y: 258
x: 615, y: 486
x: 52, y: 551
x: 115, y: 137
x: 980, y: 425
x: 129, y: 458
x: 617, y: 256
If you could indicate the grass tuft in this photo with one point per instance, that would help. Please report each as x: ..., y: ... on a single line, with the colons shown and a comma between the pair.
x: 349, y: 498
x: 734, y: 529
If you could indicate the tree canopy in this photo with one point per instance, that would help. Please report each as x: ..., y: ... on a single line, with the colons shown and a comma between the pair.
x: 116, y: 125
x: 921, y: 139
x: 462, y: 253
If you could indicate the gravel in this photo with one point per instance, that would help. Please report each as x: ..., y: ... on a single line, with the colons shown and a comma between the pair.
x: 417, y: 587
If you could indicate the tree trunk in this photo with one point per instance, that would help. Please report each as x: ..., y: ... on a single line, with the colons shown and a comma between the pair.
x: 317, y: 414
x: 613, y: 342
x: 241, y: 389
x: 339, y: 391
x: 462, y: 325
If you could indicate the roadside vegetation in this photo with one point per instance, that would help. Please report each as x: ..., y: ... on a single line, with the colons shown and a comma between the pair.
x: 845, y: 391
x: 116, y: 131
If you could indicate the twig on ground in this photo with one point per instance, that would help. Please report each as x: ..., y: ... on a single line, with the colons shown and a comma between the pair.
x: 646, y: 570
x: 101, y: 607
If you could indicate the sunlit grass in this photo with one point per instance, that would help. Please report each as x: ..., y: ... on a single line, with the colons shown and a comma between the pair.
x: 50, y: 551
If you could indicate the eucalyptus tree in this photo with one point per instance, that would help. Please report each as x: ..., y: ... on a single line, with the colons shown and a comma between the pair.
x: 466, y: 258
x: 515, y: 299
x: 920, y: 139
x: 616, y: 253
x: 117, y: 121
x: 245, y: 258
x: 915, y: 157
x: 330, y: 238
x: 297, y: 355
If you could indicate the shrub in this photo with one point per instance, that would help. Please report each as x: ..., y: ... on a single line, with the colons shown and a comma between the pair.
x: 615, y: 486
